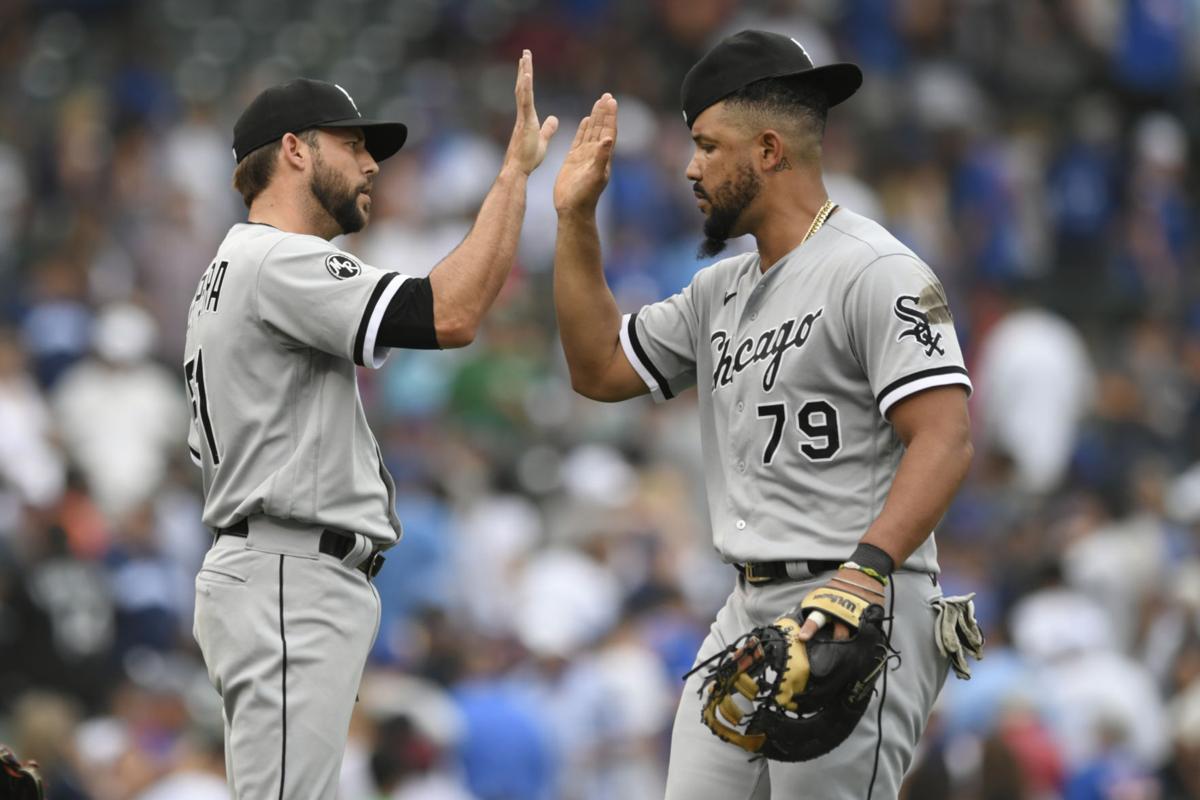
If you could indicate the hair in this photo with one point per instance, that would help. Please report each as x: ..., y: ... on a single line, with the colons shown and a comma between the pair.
x: 254, y: 172
x: 793, y: 106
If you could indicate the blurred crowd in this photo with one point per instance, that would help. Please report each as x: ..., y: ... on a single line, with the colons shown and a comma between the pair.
x: 556, y: 576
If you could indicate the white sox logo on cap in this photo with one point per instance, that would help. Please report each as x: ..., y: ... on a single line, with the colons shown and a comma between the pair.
x: 342, y: 267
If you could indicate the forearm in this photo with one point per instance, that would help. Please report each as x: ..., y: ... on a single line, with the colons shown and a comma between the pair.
x: 588, y: 318
x: 930, y: 472
x: 466, y: 282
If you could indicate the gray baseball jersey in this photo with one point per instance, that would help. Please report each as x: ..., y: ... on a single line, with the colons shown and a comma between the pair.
x: 275, y: 330
x: 796, y: 371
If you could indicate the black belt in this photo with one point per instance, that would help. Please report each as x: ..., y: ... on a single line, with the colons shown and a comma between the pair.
x: 767, y: 571
x: 332, y: 543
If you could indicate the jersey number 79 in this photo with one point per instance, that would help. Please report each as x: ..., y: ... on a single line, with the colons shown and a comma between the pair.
x: 817, y: 420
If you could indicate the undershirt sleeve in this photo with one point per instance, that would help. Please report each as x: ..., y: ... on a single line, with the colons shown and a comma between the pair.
x: 408, y: 319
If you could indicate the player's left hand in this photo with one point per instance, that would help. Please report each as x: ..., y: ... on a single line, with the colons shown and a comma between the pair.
x: 790, y: 700
x: 849, y: 581
x: 527, y: 147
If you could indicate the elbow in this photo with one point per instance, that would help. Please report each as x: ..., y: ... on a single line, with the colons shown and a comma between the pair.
x: 961, y: 453
x: 456, y: 333
x: 591, y: 389
x: 584, y: 387
x: 968, y: 453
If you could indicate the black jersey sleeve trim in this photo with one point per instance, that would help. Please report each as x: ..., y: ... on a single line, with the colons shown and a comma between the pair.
x: 365, y: 332
x: 408, y: 319
x: 935, y: 376
x: 195, y: 454
x: 645, y: 359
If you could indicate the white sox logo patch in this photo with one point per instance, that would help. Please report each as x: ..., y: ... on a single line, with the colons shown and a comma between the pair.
x: 908, y: 310
x: 768, y: 346
x: 342, y: 267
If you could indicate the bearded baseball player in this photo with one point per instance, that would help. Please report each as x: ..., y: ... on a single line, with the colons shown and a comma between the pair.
x: 833, y: 408
x: 295, y: 488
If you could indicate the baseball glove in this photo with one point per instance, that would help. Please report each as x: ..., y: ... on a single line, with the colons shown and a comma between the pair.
x: 780, y: 698
x: 19, y: 781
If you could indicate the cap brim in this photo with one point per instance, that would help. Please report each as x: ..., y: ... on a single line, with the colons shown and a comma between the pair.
x: 839, y: 81
x: 384, y: 139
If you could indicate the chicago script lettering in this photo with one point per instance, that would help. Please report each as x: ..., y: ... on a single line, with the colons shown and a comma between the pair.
x: 768, y: 346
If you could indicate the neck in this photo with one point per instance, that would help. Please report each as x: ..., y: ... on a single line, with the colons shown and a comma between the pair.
x: 277, y: 209
x: 788, y: 216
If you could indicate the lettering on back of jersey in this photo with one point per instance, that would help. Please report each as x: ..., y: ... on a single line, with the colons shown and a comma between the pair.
x: 769, y: 346
x: 908, y: 310
x: 342, y: 266
x: 208, y: 293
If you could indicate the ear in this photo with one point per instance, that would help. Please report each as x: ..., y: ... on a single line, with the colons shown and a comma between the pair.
x: 295, y: 152
x: 770, y: 151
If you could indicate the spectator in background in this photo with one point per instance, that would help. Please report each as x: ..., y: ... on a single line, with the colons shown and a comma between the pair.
x: 1036, y: 385
x: 120, y: 413
x: 197, y: 770
x: 405, y: 765
x: 29, y: 461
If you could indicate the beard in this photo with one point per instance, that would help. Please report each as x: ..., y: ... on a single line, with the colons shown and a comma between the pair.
x: 337, y: 197
x: 727, y: 204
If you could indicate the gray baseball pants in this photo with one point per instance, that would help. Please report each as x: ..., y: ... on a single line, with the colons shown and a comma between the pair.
x: 285, y: 631
x: 871, y: 763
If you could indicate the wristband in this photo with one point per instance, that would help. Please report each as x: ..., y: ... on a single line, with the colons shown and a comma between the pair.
x: 872, y: 561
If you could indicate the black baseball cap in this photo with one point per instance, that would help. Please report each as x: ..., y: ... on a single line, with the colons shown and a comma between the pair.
x: 749, y: 56
x: 304, y: 103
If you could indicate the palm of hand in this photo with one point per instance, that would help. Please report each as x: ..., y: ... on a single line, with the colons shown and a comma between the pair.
x: 581, y: 177
x: 588, y: 165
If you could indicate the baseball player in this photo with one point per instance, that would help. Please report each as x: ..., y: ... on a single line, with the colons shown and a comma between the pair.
x: 295, y: 487
x: 832, y: 397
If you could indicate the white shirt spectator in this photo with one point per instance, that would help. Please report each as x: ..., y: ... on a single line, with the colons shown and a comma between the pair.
x: 28, y: 460
x: 1035, y: 383
x: 121, y: 415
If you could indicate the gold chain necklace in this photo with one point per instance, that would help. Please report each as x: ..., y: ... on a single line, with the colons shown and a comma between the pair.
x: 822, y: 214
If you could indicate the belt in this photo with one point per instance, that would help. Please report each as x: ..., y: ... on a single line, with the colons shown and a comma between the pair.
x: 767, y: 571
x: 332, y: 543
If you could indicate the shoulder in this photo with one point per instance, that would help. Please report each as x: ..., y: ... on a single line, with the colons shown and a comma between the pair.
x: 863, y: 239
x: 866, y: 247
x: 274, y: 249
x: 273, y: 241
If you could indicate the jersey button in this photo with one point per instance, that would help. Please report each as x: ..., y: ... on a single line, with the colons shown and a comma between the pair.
x: 741, y: 406
x: 754, y: 316
x: 740, y: 525
x: 741, y: 466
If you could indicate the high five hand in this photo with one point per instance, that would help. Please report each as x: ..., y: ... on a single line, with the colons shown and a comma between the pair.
x: 527, y: 147
x: 586, y: 169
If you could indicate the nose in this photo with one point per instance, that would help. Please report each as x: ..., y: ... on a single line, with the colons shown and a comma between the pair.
x: 693, y: 171
x: 370, y: 165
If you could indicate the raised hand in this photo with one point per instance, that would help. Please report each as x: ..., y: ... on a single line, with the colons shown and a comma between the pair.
x: 527, y: 147
x: 588, y: 164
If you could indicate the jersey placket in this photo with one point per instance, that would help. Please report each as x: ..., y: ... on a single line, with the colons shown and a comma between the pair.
x: 740, y: 412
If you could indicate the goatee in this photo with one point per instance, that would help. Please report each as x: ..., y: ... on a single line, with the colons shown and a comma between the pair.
x: 727, y: 204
